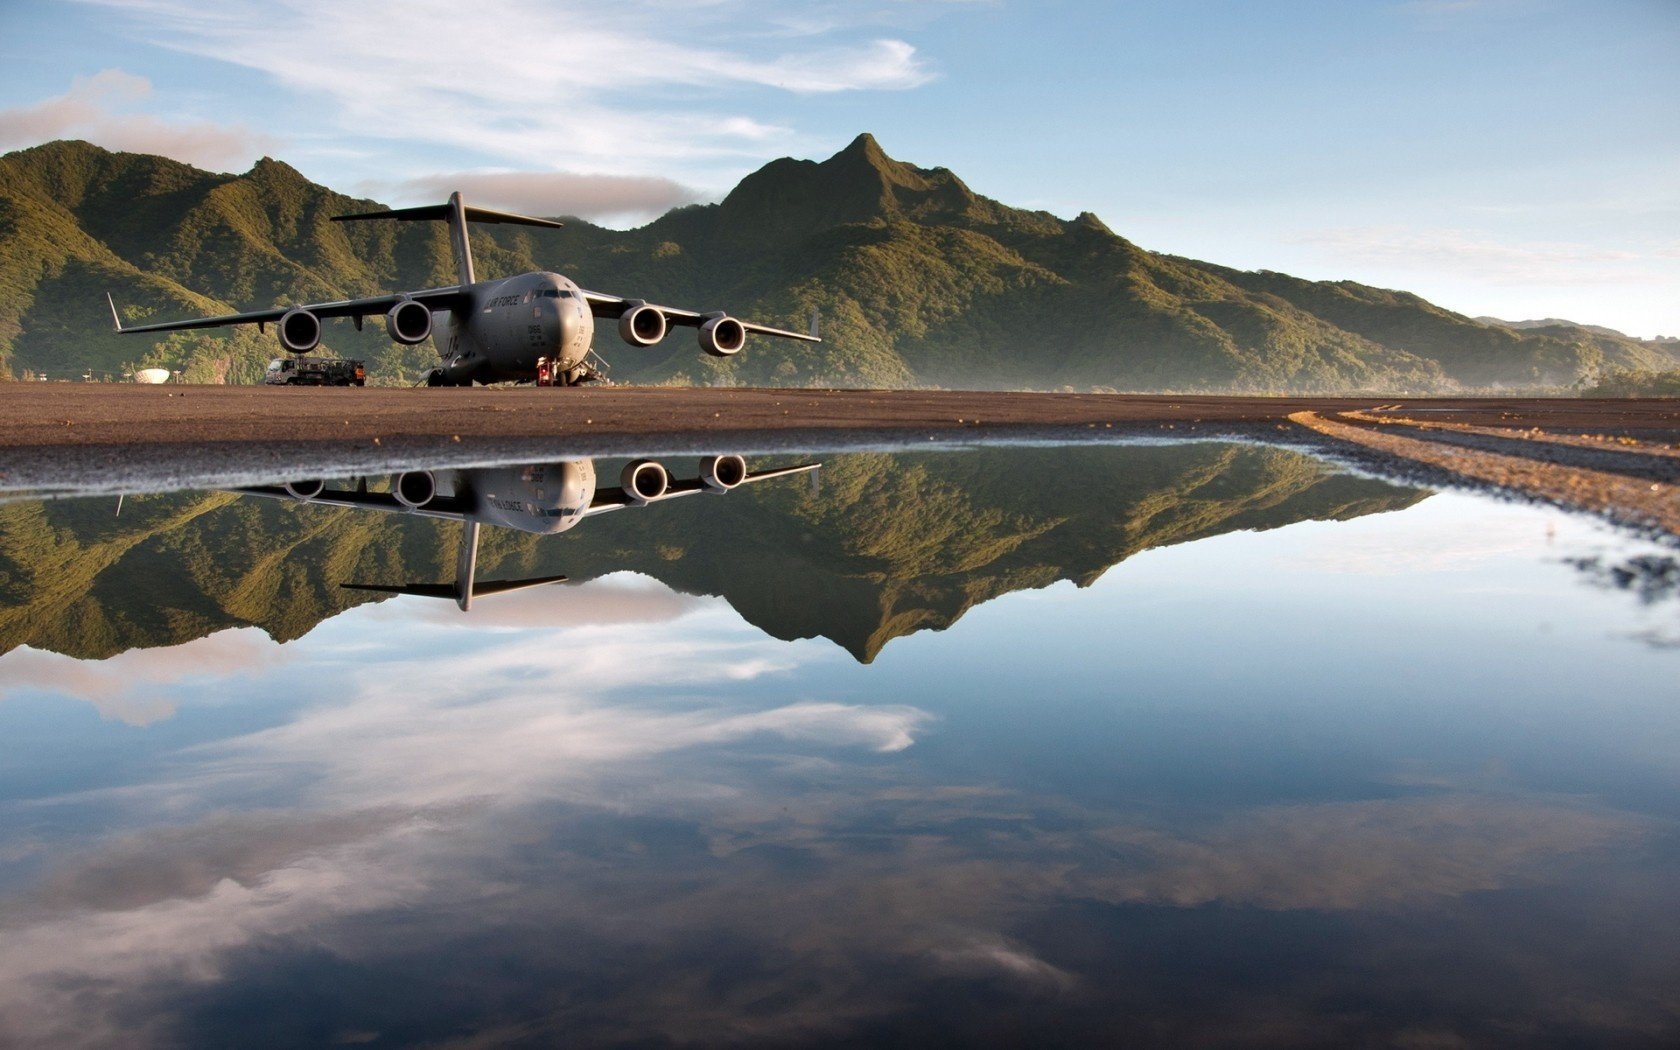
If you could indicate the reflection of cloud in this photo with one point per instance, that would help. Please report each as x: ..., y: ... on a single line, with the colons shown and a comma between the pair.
x: 54, y: 958
x: 94, y: 109
x: 596, y: 603
x: 618, y: 811
x: 132, y: 687
x: 1371, y: 554
x: 396, y: 763
x: 1362, y: 855
x: 1012, y: 961
x: 173, y: 863
x: 528, y: 714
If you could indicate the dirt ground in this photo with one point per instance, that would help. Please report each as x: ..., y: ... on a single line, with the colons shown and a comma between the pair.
x: 66, y: 436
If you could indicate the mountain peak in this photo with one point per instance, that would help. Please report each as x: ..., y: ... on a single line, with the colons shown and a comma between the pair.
x: 866, y: 147
x: 864, y: 157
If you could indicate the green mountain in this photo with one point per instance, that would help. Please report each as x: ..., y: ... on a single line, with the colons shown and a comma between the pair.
x: 891, y: 544
x: 919, y: 280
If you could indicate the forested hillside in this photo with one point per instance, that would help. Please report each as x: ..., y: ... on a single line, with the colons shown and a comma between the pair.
x: 919, y: 280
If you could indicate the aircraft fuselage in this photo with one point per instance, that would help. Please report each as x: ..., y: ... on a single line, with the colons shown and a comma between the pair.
x: 511, y: 324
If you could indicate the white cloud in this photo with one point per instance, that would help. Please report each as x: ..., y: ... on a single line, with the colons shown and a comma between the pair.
x: 600, y: 198
x: 620, y: 88
x: 1473, y: 254
x: 100, y: 108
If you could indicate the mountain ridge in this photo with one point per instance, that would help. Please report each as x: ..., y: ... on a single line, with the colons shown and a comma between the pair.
x: 920, y: 281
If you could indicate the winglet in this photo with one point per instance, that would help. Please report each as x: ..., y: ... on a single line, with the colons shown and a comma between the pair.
x: 115, y: 320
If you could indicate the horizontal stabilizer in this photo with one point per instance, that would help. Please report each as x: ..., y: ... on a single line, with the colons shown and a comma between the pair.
x: 453, y: 592
x: 423, y: 590
x: 441, y: 211
x: 504, y: 586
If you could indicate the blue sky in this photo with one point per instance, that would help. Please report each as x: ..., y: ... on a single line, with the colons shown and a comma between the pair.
x: 1513, y: 157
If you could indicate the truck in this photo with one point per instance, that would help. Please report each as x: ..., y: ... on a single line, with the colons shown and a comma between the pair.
x: 314, y: 371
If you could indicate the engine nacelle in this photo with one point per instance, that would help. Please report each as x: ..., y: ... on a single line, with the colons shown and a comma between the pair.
x: 644, y: 480
x: 299, y: 330
x: 723, y: 336
x: 305, y: 490
x: 409, y: 322
x: 722, y: 473
x: 415, y: 488
x: 641, y: 325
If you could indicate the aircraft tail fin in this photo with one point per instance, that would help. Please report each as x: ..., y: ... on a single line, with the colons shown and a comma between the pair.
x: 457, y: 213
x: 466, y: 586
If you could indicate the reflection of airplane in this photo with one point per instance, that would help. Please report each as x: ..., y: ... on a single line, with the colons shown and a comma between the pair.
x: 493, y: 331
x: 544, y: 498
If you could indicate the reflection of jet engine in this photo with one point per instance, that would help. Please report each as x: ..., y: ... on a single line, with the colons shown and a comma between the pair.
x: 305, y: 490
x: 722, y: 473
x: 409, y: 322
x: 299, y: 330
x: 641, y: 325
x: 722, y: 336
x: 644, y: 480
x: 415, y: 488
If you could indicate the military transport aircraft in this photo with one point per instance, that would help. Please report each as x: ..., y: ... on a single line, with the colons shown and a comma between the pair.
x: 492, y: 331
x: 544, y: 498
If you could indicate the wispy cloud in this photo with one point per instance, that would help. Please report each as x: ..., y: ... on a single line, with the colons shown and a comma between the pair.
x: 1495, y: 260
x: 618, y: 88
x: 102, y: 109
x: 601, y: 198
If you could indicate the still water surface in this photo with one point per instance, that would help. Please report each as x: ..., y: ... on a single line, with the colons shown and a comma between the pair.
x: 1167, y: 745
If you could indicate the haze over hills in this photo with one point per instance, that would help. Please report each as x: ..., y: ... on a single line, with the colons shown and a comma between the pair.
x: 919, y: 281
x: 1558, y: 322
x: 893, y: 544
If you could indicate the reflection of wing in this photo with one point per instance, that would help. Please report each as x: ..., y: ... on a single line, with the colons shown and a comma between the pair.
x: 613, y: 305
x: 450, y: 508
x: 437, y: 298
x: 616, y: 498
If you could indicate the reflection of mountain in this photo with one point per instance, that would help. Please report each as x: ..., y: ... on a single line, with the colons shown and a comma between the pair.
x: 890, y: 545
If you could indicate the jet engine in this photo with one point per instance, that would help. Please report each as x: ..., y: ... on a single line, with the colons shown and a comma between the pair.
x: 305, y: 490
x: 299, y: 330
x: 722, y: 473
x: 722, y: 336
x: 644, y: 480
x: 414, y: 488
x: 641, y: 325
x: 409, y: 322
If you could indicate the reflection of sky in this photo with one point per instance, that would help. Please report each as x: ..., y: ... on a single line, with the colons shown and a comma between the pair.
x: 1402, y: 778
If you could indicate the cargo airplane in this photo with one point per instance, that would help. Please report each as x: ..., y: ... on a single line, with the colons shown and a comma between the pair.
x: 544, y: 498
x: 492, y: 331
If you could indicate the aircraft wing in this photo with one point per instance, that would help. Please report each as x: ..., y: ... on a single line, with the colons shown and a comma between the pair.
x: 449, y: 508
x: 611, y: 306
x: 437, y: 298
x: 616, y: 498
